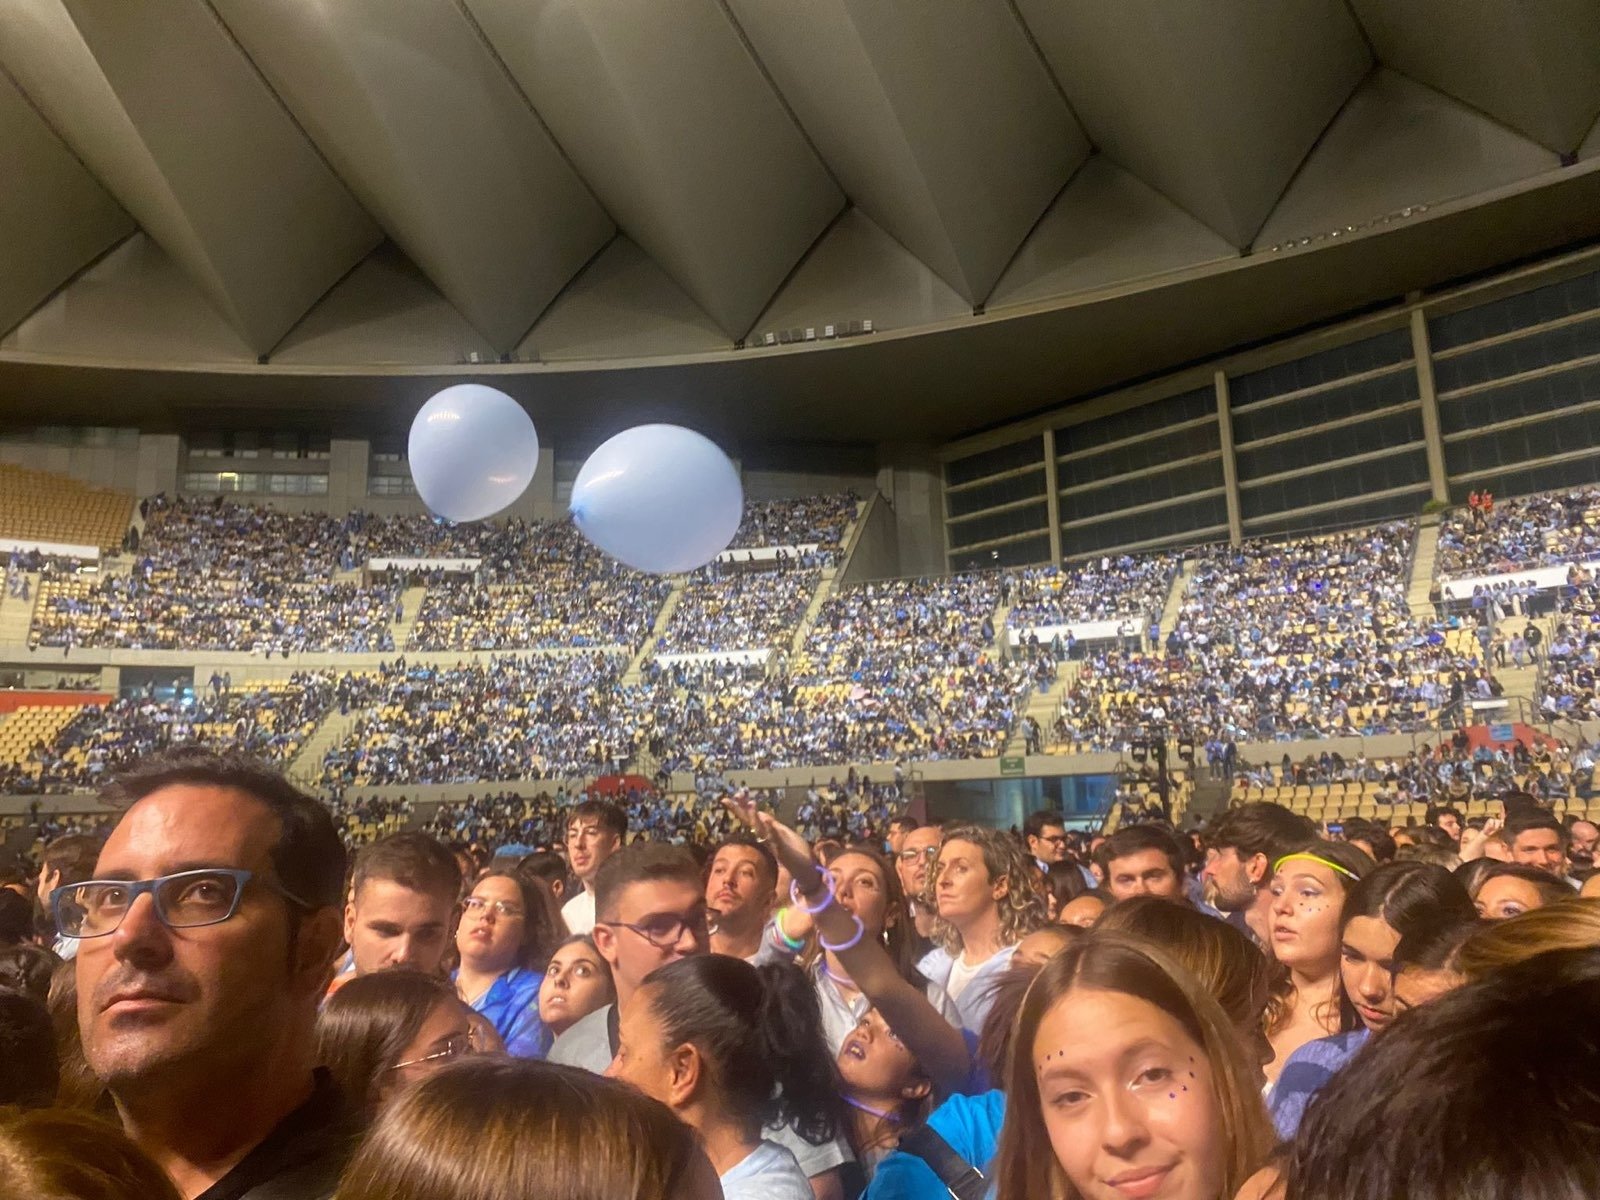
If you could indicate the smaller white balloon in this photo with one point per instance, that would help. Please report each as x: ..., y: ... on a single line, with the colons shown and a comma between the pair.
x: 659, y: 498
x: 473, y: 451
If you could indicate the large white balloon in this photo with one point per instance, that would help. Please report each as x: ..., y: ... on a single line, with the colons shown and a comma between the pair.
x: 660, y: 498
x: 473, y: 451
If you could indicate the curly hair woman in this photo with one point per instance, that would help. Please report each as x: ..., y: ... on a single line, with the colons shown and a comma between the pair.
x: 985, y: 893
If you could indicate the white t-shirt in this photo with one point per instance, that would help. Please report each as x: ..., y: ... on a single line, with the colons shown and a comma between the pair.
x: 769, y: 1172
x: 578, y: 912
x: 960, y: 976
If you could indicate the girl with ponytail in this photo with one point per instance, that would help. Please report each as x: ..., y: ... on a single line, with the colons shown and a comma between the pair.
x: 731, y: 1048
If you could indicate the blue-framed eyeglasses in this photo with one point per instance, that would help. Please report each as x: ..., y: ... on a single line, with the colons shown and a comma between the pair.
x: 185, y: 900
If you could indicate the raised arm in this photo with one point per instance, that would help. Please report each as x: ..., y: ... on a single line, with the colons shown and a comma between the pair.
x: 938, y: 1046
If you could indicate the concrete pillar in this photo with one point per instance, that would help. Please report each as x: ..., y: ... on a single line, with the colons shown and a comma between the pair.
x: 111, y: 679
x: 1052, y: 496
x: 1432, y: 435
x: 158, y: 457
x: 910, y: 478
x: 348, y: 462
x: 1230, y: 466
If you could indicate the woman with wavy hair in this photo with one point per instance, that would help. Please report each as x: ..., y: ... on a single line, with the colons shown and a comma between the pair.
x: 1134, y: 1076
x: 984, y: 890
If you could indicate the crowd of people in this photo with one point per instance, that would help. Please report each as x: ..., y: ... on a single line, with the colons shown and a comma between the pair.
x: 268, y: 720
x: 527, y: 717
x: 1121, y: 587
x: 739, y: 610
x: 636, y: 1003
x: 820, y: 521
x: 1506, y: 536
x: 1287, y: 639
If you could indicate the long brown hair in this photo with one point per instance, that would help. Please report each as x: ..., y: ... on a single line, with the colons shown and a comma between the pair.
x: 1570, y: 925
x: 80, y: 1088
x: 1134, y: 967
x: 58, y: 1152
x: 486, y: 1129
x: 366, y: 1025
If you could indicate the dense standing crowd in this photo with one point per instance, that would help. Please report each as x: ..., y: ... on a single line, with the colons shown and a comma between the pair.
x: 654, y: 998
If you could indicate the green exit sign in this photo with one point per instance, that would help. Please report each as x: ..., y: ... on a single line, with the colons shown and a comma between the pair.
x: 1013, y: 766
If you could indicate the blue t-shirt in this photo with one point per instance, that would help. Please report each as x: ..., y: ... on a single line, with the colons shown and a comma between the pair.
x: 971, y: 1124
x: 511, y: 1005
x: 1307, y: 1073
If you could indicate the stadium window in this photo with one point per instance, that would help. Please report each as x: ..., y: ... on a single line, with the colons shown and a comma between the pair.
x: 391, y: 485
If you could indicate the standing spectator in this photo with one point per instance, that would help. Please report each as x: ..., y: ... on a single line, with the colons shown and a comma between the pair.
x: 199, y: 974
x: 595, y: 831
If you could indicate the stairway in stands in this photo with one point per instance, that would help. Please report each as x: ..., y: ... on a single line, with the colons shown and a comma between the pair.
x: 411, y: 608
x: 803, y: 627
x: 306, y: 767
x: 1418, y: 593
x: 1042, y: 707
x: 15, y: 614
x: 669, y: 606
x: 1180, y: 586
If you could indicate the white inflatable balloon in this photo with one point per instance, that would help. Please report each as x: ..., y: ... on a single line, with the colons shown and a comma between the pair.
x: 473, y: 451
x: 659, y: 498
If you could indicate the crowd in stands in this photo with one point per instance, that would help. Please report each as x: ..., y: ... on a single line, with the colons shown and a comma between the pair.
x: 529, y: 717
x: 1524, y: 531
x: 819, y: 521
x: 268, y: 720
x: 738, y: 610
x: 648, y: 999
x: 1096, y: 589
x: 1287, y: 639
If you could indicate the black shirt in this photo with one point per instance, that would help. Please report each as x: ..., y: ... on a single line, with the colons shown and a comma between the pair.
x: 302, y: 1158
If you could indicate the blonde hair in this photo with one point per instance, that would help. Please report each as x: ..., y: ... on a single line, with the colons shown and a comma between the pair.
x: 55, y: 1152
x: 1139, y: 968
x: 485, y: 1129
x: 1567, y: 925
x: 1022, y: 908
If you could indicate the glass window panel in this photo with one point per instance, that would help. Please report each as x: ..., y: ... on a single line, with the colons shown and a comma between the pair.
x: 1001, y: 491
x: 1001, y: 524
x: 1013, y: 554
x: 993, y: 462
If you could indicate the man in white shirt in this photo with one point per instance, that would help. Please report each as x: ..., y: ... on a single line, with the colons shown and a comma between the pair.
x: 595, y: 831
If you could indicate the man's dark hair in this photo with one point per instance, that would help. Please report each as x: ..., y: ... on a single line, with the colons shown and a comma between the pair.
x: 1454, y: 1075
x: 1438, y: 811
x: 642, y: 862
x: 16, y: 918
x: 74, y: 855
x: 610, y: 818
x: 1135, y: 839
x: 13, y: 871
x: 27, y: 968
x: 1034, y: 826
x: 1532, y: 818
x: 413, y: 860
x: 1260, y: 828
x: 309, y: 858
x: 30, y: 1072
x: 905, y: 820
x: 750, y: 842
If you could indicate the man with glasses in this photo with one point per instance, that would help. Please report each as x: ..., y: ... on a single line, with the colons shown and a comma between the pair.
x: 651, y: 910
x: 595, y: 831
x: 1046, y: 835
x: 205, y: 939
x: 918, y: 850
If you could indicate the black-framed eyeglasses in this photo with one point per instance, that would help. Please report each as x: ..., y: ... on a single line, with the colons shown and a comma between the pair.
x: 185, y: 900
x: 666, y: 930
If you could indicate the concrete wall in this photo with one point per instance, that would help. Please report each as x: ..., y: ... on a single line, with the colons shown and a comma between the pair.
x: 112, y: 460
x: 877, y: 550
x: 911, y: 479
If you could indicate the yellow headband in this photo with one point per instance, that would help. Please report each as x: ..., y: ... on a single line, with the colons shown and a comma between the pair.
x: 1319, y: 860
